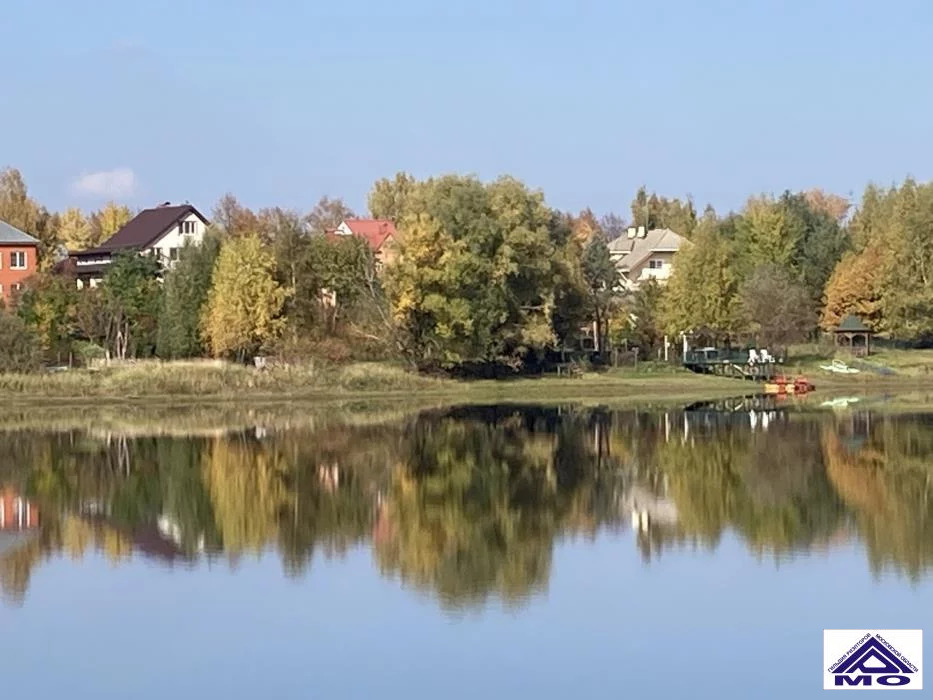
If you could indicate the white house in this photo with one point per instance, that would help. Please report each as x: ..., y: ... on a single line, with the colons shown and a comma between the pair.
x: 161, y: 231
x: 641, y: 255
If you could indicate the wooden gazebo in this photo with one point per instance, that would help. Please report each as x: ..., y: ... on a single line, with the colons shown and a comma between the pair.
x: 853, y: 334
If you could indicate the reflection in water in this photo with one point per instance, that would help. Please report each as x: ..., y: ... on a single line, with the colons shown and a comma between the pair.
x: 467, y: 503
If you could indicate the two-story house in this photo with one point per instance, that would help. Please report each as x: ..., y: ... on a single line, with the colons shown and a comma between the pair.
x: 161, y: 231
x: 641, y: 255
x: 18, y: 260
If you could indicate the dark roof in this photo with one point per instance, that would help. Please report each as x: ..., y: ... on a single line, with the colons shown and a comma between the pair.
x: 853, y: 324
x: 143, y: 229
x: 11, y: 234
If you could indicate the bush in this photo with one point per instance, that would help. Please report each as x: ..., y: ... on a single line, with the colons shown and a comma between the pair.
x: 19, y: 346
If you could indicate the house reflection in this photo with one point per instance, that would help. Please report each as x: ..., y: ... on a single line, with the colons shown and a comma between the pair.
x: 16, y: 513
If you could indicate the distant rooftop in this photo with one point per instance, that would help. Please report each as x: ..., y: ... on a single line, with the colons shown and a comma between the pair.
x: 634, y: 250
x: 11, y: 234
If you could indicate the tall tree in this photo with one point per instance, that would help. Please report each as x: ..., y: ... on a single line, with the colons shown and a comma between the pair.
x: 47, y: 305
x: 232, y: 218
x: 328, y: 214
x: 603, y: 280
x: 474, y: 278
x: 775, y: 308
x: 18, y: 209
x: 855, y: 288
x: 107, y: 221
x: 702, y: 291
x: 388, y: 198
x: 652, y: 211
x: 75, y: 231
x: 132, y: 294
x: 184, y: 295
x: 245, y: 301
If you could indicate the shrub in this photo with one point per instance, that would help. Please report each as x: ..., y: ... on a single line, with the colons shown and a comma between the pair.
x: 19, y: 346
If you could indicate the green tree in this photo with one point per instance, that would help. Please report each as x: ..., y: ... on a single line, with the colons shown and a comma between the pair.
x: 19, y: 345
x: 388, y: 199
x: 654, y: 212
x: 132, y: 297
x: 47, y: 305
x: 18, y: 209
x: 703, y: 288
x: 245, y: 301
x: 603, y: 280
x: 184, y: 295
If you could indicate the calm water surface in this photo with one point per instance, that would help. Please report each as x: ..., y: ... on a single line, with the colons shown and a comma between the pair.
x: 500, y: 551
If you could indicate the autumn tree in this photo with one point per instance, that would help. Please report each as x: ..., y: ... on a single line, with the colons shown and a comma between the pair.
x: 74, y: 230
x: 474, y: 278
x: 107, y: 221
x: 19, y: 345
x: 245, y: 301
x: 855, y: 288
x: 327, y: 214
x: 232, y: 218
x: 388, y: 198
x: 19, y: 210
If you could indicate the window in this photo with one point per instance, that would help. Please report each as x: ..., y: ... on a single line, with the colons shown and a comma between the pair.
x: 173, y: 253
x: 187, y: 227
x: 655, y: 264
x: 18, y: 260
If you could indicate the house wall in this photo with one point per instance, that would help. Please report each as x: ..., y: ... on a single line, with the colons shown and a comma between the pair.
x: 16, y: 513
x: 644, y: 271
x: 10, y: 277
x: 174, y: 238
x: 343, y: 229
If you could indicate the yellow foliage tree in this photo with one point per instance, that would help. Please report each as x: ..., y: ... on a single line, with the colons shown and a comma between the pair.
x: 245, y: 301
x: 108, y: 221
x: 855, y: 288
x: 74, y: 230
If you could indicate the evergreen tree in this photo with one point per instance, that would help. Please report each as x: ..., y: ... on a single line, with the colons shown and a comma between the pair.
x: 185, y: 292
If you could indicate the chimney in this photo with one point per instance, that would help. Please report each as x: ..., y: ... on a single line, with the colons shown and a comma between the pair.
x: 165, y: 204
x: 641, y: 231
x: 631, y: 232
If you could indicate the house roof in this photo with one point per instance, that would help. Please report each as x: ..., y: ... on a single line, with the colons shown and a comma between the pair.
x: 145, y: 228
x: 636, y: 250
x: 375, y: 231
x: 10, y: 234
x: 853, y: 324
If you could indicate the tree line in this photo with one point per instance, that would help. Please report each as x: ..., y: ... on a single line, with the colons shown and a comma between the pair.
x: 482, y: 274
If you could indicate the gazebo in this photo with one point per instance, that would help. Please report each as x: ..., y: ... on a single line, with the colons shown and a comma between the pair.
x: 854, y: 335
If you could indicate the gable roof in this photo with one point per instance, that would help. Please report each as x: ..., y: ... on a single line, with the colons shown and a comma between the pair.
x: 374, y: 231
x: 11, y: 234
x: 656, y: 240
x: 145, y: 228
x: 853, y: 324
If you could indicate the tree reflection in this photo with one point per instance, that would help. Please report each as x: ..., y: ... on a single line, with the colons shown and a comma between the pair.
x: 469, y: 503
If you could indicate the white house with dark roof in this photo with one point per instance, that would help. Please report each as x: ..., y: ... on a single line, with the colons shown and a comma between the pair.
x: 161, y: 231
x: 641, y: 255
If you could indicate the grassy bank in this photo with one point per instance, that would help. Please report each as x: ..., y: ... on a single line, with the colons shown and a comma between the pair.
x: 197, y: 381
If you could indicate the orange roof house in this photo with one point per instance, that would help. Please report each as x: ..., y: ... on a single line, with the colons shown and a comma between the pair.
x: 379, y: 234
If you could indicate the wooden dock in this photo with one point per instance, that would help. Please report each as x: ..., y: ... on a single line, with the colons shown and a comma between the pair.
x: 730, y: 363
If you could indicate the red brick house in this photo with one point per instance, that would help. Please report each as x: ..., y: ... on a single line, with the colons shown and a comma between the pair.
x: 19, y: 258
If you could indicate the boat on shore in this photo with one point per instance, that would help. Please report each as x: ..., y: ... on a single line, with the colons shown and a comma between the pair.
x: 788, y: 385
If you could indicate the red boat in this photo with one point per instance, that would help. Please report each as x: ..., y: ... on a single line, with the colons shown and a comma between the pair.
x: 786, y: 385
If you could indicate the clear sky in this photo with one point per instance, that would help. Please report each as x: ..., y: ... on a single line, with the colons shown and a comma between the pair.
x: 283, y: 102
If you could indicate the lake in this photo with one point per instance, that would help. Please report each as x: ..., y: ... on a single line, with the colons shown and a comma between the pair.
x: 456, y: 552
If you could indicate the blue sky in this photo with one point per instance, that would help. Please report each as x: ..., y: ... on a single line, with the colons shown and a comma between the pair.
x: 283, y: 102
